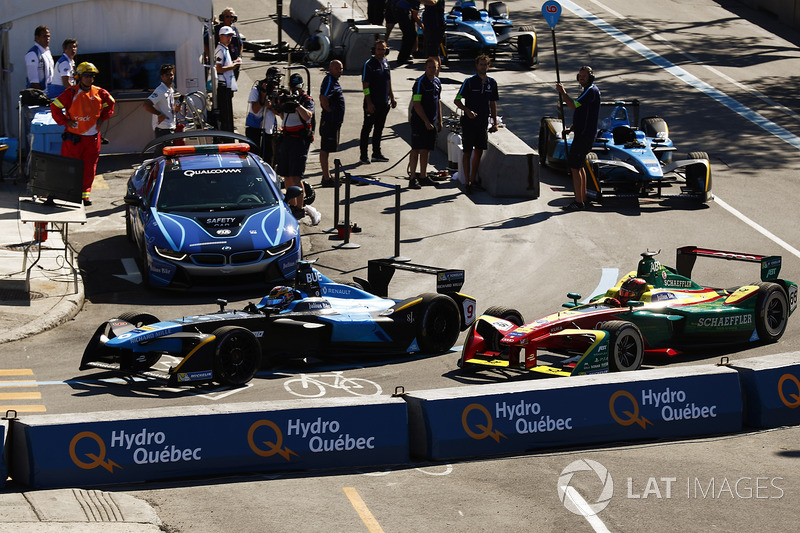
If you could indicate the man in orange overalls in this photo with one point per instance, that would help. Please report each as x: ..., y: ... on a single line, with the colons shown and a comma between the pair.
x: 81, y: 108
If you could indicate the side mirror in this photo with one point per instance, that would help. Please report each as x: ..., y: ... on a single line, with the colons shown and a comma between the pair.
x: 292, y: 192
x: 133, y: 199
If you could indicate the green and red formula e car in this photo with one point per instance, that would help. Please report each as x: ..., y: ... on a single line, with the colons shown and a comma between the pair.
x: 654, y: 310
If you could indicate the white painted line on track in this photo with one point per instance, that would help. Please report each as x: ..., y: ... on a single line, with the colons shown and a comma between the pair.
x: 608, y: 279
x: 771, y: 236
x: 683, y: 75
x: 586, y: 510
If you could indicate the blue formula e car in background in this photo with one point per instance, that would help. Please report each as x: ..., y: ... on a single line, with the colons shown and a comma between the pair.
x: 630, y: 161
x: 470, y: 31
x: 316, y: 317
x: 209, y: 215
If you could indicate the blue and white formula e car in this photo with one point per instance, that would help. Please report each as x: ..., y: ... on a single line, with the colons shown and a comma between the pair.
x: 316, y: 317
x: 630, y: 161
x: 470, y: 31
x: 210, y: 215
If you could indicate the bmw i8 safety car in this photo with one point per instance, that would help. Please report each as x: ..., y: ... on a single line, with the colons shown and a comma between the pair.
x: 630, y: 161
x: 470, y: 31
x: 316, y: 317
x: 654, y: 310
x: 210, y: 214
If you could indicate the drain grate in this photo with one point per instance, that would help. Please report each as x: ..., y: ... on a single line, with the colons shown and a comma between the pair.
x: 19, y: 295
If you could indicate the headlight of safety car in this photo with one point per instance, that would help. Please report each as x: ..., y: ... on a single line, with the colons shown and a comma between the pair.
x: 166, y: 253
x: 281, y: 248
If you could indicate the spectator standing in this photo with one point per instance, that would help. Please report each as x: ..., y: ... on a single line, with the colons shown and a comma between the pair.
x: 477, y: 98
x: 261, y: 123
x: 406, y: 14
x: 331, y: 99
x: 375, y: 10
x: 81, y: 109
x: 584, y: 128
x: 39, y: 61
x: 433, y: 27
x: 296, y: 139
x: 161, y: 103
x: 426, y: 120
x: 376, y: 80
x: 228, y: 19
x: 226, y: 81
x: 65, y: 67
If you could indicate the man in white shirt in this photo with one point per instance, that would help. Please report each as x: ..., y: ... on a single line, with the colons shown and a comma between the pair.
x: 65, y: 67
x: 261, y: 124
x: 161, y: 104
x: 226, y: 81
x: 39, y: 62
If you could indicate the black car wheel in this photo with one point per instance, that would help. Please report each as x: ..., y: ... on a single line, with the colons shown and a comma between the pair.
x: 772, y: 311
x: 237, y: 356
x: 493, y: 336
x: 698, y: 177
x: 142, y: 360
x: 627, y: 346
x: 439, y: 325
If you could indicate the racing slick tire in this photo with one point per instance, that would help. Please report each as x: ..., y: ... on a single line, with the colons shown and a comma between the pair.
x: 506, y: 313
x: 549, y: 127
x: 439, y: 325
x: 626, y: 346
x: 772, y: 311
x: 696, y: 177
x: 237, y: 356
x: 593, y: 176
x: 526, y: 48
x: 146, y: 360
x: 652, y: 126
x: 497, y: 10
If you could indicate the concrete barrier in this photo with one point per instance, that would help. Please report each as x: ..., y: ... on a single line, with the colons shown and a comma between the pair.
x: 51, y: 451
x: 771, y: 389
x: 474, y: 421
x: 3, y: 453
x: 509, y: 167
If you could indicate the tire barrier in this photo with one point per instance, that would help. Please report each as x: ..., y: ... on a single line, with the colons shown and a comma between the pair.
x: 771, y: 387
x: 55, y: 451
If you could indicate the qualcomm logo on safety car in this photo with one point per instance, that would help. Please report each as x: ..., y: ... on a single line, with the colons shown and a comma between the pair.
x: 572, y: 500
x: 191, y: 173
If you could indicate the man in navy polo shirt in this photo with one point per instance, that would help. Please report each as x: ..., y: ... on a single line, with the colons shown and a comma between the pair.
x: 426, y: 120
x: 331, y: 99
x: 376, y: 80
x: 477, y: 98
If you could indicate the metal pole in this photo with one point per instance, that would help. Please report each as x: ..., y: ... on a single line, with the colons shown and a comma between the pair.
x: 560, y: 100
x: 337, y: 165
x: 346, y: 208
x: 397, y: 221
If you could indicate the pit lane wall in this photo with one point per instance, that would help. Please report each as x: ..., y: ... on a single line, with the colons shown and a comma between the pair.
x: 51, y: 451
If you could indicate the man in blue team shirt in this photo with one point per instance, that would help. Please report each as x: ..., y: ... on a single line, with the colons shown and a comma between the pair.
x: 331, y: 99
x: 584, y: 127
x: 426, y: 120
x: 376, y: 80
x: 477, y: 98
x: 433, y: 27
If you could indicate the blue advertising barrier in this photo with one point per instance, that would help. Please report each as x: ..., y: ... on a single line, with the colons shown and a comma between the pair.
x: 771, y: 389
x: 516, y: 417
x: 52, y: 451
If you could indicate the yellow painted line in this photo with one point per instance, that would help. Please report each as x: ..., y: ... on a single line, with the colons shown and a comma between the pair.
x: 16, y: 372
x: 361, y: 508
x: 23, y: 408
x: 20, y: 395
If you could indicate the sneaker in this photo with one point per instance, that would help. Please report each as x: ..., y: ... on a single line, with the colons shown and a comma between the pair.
x: 328, y: 182
x: 87, y: 202
x: 298, y: 212
x: 425, y: 180
x: 379, y: 158
x: 364, y: 159
x: 313, y: 214
x: 414, y: 184
x: 574, y: 206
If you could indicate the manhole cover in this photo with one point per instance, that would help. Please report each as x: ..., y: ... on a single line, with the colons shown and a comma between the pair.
x: 17, y: 295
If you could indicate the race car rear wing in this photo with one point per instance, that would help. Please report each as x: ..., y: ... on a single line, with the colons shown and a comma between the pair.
x: 380, y: 272
x: 686, y: 256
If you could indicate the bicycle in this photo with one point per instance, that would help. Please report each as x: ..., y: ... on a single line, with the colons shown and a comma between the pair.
x: 190, y: 113
x: 313, y: 386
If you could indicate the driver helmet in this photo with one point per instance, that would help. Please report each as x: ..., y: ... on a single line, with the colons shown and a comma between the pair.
x: 632, y: 289
x: 280, y: 296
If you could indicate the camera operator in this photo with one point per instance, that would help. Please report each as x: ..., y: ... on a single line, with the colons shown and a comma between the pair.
x: 261, y: 123
x: 297, y: 111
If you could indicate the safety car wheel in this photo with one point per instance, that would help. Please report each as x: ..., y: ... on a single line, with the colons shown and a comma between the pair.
x: 627, y: 346
x: 128, y: 225
x: 439, y: 325
x: 506, y: 313
x: 696, y: 176
x: 772, y: 311
x: 237, y: 356
x: 144, y: 360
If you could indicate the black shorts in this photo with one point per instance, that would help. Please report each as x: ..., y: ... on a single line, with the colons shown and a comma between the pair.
x: 578, y: 149
x: 421, y: 137
x: 474, y: 134
x: 329, y: 136
x: 292, y: 156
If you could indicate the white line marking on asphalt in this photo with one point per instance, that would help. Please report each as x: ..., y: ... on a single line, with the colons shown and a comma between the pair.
x: 608, y: 279
x: 603, y: 6
x: 132, y: 273
x: 586, y: 510
x: 774, y: 238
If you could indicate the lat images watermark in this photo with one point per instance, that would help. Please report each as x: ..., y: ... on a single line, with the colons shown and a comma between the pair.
x: 757, y: 487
